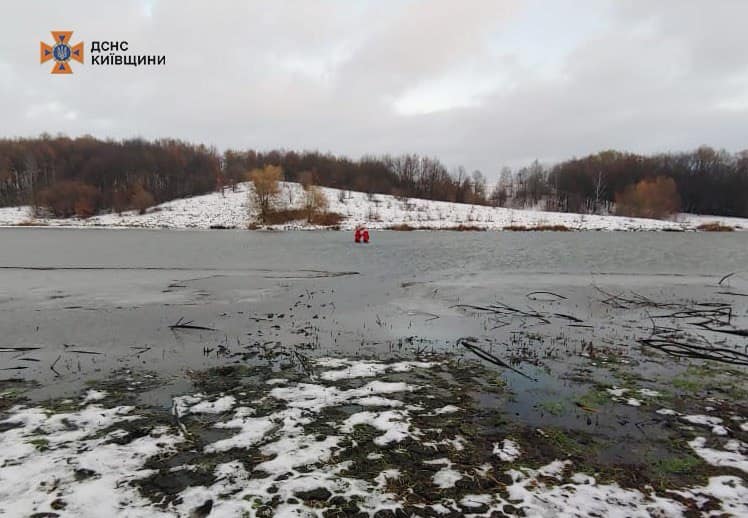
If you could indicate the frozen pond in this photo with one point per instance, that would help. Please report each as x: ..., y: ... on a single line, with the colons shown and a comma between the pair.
x: 614, y: 350
x: 116, y: 292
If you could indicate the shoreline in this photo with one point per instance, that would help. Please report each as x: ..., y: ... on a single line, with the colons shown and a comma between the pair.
x: 232, y: 211
x: 302, y: 228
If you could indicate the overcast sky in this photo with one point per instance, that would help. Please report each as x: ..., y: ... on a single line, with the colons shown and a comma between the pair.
x: 480, y: 83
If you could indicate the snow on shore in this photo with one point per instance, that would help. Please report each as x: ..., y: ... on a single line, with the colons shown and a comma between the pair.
x: 379, y: 211
x: 82, y: 461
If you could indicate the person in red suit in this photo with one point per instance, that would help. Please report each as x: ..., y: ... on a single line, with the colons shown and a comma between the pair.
x: 357, y: 235
x: 365, y: 235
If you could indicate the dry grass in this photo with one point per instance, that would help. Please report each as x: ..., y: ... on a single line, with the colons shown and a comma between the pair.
x: 714, y: 226
x: 282, y: 216
x: 327, y: 219
x: 465, y: 228
x: 538, y: 228
x: 403, y: 227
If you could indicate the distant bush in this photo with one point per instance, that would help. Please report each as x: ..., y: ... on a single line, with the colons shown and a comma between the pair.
x: 141, y: 199
x: 69, y: 198
x: 282, y: 216
x: 714, y: 226
x: 465, y: 228
x: 538, y: 228
x: 402, y: 227
x: 327, y: 219
x: 135, y: 197
x: 657, y: 198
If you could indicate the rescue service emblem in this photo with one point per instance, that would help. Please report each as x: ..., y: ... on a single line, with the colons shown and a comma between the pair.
x: 61, y: 52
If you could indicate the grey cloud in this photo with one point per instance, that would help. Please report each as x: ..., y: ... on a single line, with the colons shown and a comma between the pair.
x: 651, y: 76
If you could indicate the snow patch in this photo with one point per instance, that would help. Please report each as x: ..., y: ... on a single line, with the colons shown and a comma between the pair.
x: 446, y: 477
x: 218, y: 406
x: 707, y: 420
x: 732, y: 459
x: 509, y: 450
x: 251, y: 431
x: 349, y: 369
x: 41, y: 459
x: 618, y: 392
x: 94, y: 395
x: 394, y: 423
x: 448, y: 409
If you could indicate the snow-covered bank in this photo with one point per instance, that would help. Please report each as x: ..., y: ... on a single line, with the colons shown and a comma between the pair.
x: 378, y: 211
x: 314, y: 448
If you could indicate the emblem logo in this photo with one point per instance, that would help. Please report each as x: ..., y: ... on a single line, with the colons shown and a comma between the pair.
x: 61, y: 52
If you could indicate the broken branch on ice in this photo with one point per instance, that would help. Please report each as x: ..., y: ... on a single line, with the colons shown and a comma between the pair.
x: 485, y: 355
x: 181, y: 324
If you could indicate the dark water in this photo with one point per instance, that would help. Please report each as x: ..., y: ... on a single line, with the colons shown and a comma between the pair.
x: 91, y: 301
x: 396, y: 253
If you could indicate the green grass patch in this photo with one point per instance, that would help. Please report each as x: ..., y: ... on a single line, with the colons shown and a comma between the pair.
x: 40, y: 443
x: 10, y: 393
x: 593, y: 398
x: 687, y: 383
x: 678, y: 465
x: 562, y: 441
x: 556, y: 408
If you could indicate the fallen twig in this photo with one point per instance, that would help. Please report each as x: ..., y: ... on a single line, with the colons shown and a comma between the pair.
x: 52, y: 367
x: 490, y: 357
x: 180, y: 324
x: 569, y: 317
x: 734, y: 294
x: 676, y: 348
x: 4, y: 349
x: 529, y: 295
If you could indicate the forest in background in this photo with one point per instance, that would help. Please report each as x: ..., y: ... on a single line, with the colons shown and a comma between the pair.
x: 85, y: 176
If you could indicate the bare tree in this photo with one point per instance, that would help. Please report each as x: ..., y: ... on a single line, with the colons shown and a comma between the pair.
x: 599, y: 188
x: 499, y: 195
x: 315, y: 202
x: 266, y: 188
x: 479, y: 187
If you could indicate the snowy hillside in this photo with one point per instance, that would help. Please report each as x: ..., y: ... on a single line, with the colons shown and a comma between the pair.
x: 378, y: 212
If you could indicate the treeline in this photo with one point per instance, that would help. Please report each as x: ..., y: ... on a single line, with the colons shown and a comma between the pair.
x: 407, y: 175
x: 84, y: 176
x: 704, y: 181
